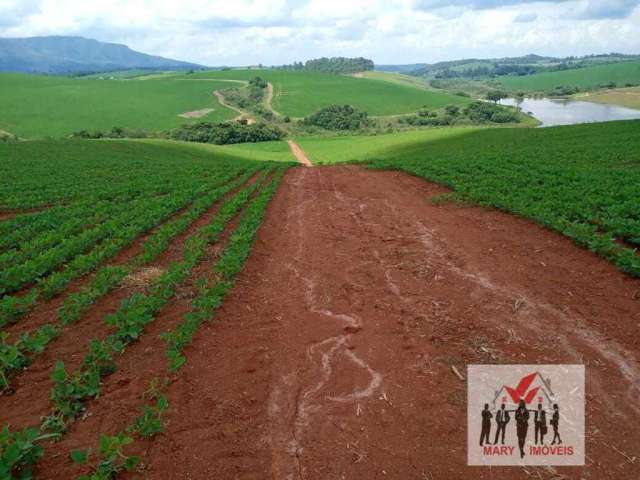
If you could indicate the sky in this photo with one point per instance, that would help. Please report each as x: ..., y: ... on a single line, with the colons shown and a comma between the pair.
x: 274, y: 32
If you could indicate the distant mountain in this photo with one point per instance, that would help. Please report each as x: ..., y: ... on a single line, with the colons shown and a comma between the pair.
x: 74, y: 55
x: 525, y: 65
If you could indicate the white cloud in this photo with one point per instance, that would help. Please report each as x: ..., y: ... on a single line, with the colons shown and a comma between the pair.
x: 240, y: 32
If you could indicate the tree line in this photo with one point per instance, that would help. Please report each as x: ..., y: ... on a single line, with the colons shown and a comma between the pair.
x: 332, y: 65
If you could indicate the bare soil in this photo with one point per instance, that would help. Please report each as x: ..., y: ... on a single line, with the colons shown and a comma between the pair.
x: 299, y: 153
x: 197, y: 113
x: 332, y: 357
x: 7, y: 214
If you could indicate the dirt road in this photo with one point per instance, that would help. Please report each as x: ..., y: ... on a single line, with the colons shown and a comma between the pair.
x: 331, y: 359
x: 268, y: 100
x: 299, y: 153
x: 241, y: 113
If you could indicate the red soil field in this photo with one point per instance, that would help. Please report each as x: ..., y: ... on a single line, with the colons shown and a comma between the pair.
x: 333, y: 356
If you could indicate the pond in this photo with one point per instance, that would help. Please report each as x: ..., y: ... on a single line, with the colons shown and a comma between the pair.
x: 552, y: 112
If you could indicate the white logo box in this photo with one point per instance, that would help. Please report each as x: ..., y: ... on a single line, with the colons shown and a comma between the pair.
x: 541, y: 387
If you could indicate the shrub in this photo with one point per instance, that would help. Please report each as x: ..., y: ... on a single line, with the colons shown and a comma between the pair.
x: 452, y: 110
x: 338, y: 117
x: 115, y: 132
x: 227, y: 133
x: 258, y: 82
x: 484, y: 112
x: 422, y: 121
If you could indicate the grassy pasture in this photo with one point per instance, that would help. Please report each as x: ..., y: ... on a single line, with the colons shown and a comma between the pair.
x: 586, y: 78
x: 398, y: 79
x: 277, y: 151
x: 39, y: 106
x: 626, y: 97
x: 580, y: 180
x: 328, y: 150
x: 298, y: 94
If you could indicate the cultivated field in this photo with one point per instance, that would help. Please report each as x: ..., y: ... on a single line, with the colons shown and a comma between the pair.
x: 300, y: 93
x: 41, y: 106
x: 181, y: 310
x: 97, y: 239
x: 588, y: 77
x: 580, y: 180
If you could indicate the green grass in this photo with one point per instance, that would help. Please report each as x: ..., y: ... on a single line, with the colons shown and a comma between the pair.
x: 328, y: 150
x: 585, y: 78
x: 580, y: 180
x: 277, y: 151
x: 298, y: 94
x: 39, y: 106
x: 398, y: 79
x: 625, y: 97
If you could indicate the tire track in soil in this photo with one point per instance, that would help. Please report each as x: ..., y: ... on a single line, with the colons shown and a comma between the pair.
x: 31, y: 401
x: 355, y: 264
x: 122, y: 394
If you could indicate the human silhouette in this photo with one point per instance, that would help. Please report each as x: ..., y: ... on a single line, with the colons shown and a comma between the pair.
x: 486, y: 425
x: 522, y: 425
x: 502, y: 418
x: 555, y: 423
x: 540, y: 422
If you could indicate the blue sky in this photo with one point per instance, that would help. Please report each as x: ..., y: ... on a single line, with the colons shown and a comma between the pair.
x: 243, y: 32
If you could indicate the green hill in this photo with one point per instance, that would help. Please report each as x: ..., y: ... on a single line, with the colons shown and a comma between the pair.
x: 38, y: 106
x: 622, y: 73
x: 64, y: 55
x: 298, y: 94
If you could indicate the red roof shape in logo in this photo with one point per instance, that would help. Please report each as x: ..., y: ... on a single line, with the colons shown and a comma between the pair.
x: 528, y: 388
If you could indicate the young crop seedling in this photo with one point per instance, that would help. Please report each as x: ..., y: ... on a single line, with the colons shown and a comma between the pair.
x: 109, y: 460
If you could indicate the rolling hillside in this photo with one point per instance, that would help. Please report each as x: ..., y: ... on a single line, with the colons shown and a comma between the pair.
x: 298, y: 94
x: 66, y: 55
x: 625, y: 97
x: 621, y: 73
x: 37, y: 106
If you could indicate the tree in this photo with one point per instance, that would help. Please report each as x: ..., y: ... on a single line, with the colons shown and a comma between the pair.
x: 452, y: 110
x: 496, y: 95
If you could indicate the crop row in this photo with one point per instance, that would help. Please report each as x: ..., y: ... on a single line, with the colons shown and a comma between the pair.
x: 107, y: 465
x: 580, y: 180
x: 28, y: 248
x: 18, y: 355
x: 40, y: 174
x: 27, y: 226
x: 121, y: 235
x: 71, y: 390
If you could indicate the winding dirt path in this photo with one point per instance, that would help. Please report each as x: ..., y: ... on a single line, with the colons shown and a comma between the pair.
x: 331, y: 358
x: 241, y: 113
x: 299, y: 154
x: 268, y: 100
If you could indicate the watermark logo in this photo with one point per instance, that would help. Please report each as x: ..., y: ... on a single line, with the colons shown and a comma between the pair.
x: 525, y: 415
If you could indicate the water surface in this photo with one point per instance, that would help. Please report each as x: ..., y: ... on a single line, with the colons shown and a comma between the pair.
x: 552, y: 112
